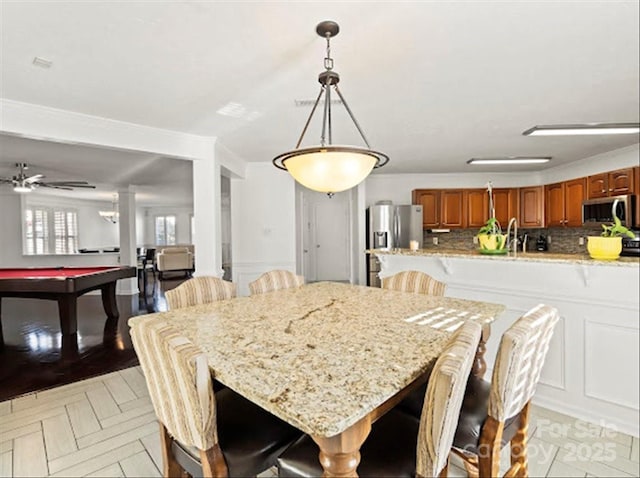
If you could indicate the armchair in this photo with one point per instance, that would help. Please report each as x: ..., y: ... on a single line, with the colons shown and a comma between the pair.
x: 174, y: 259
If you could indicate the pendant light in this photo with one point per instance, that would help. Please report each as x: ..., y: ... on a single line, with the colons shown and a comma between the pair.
x: 327, y: 167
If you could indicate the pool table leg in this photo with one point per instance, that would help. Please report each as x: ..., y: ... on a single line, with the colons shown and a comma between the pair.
x: 109, y: 301
x: 68, y: 310
x: 1, y: 336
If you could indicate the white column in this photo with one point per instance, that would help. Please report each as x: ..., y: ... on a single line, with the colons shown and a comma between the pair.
x: 11, y: 232
x: 127, y: 223
x: 207, y: 216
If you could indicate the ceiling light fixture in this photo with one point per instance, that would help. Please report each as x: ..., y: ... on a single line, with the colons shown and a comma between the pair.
x: 23, y: 188
x: 111, y: 216
x: 511, y: 160
x: 327, y: 167
x: 583, y: 129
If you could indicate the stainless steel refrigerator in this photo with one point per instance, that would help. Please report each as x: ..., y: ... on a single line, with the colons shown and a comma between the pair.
x: 392, y: 227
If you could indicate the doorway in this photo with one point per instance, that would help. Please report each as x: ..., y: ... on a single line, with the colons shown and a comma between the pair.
x: 326, y: 236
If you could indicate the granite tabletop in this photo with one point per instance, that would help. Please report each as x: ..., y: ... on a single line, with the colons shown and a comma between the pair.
x: 582, y: 259
x: 324, y: 355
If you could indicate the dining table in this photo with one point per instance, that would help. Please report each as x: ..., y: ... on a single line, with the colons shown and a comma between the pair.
x: 328, y: 358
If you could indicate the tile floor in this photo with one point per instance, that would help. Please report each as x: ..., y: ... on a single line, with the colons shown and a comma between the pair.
x: 105, y: 427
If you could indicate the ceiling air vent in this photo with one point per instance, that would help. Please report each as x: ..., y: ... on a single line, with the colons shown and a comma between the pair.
x: 41, y: 62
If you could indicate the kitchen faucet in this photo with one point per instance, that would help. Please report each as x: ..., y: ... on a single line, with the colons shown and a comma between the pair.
x: 513, y: 222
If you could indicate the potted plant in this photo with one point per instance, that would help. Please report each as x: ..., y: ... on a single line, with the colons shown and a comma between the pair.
x: 490, y: 236
x: 608, y: 245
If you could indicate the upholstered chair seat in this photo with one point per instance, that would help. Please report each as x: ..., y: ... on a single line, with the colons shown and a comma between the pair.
x: 400, y: 445
x: 275, y: 280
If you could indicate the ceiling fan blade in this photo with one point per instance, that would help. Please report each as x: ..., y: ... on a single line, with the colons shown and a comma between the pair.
x: 68, y: 183
x: 34, y: 178
x: 6, y: 180
x: 53, y: 186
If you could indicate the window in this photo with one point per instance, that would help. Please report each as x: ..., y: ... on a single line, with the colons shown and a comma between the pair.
x: 165, y: 230
x: 65, y: 226
x: 36, y: 231
x: 41, y: 222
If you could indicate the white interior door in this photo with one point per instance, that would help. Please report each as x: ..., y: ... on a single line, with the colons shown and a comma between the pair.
x: 328, y: 231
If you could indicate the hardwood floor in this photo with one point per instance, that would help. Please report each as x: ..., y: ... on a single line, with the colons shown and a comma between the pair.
x: 34, y: 358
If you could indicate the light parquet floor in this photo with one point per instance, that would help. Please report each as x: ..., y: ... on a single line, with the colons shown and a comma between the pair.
x: 105, y: 427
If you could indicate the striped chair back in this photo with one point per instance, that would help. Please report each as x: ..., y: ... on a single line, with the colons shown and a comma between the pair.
x: 519, y: 361
x: 275, y: 280
x: 199, y: 290
x: 179, y: 382
x: 414, y: 281
x: 443, y: 400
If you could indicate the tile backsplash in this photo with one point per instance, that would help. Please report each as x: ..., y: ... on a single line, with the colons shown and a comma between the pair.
x: 564, y: 240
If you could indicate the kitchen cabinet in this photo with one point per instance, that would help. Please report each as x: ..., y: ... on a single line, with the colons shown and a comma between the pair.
x: 636, y: 188
x: 613, y: 183
x: 563, y: 203
x: 531, y: 207
x: 477, y: 207
x: 505, y: 203
x: 440, y: 207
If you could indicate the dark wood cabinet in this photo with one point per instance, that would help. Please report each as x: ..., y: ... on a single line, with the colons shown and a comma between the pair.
x: 636, y: 188
x: 505, y: 203
x: 429, y: 199
x: 613, y: 183
x: 452, y: 208
x: 563, y: 203
x: 532, y: 207
x: 440, y: 207
x: 477, y: 207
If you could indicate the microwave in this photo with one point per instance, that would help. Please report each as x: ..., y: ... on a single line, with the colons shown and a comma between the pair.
x: 601, y: 210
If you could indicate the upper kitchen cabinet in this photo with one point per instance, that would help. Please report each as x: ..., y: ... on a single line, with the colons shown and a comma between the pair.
x: 532, y: 207
x: 440, y: 207
x: 613, y: 183
x: 636, y: 188
x: 477, y: 207
x: 563, y: 203
x: 429, y: 199
x: 505, y: 203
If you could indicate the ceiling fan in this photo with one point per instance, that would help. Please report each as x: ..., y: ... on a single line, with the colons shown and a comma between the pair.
x: 24, y: 184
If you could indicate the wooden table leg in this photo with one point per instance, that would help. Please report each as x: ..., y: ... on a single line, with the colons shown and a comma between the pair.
x: 109, y: 300
x: 479, y: 364
x: 68, y: 311
x: 1, y: 336
x: 340, y: 454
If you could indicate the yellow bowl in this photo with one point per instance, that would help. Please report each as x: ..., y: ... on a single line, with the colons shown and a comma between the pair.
x: 492, y: 242
x: 604, y: 248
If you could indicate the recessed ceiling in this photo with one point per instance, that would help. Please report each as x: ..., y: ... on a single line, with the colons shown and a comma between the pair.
x: 431, y: 83
x: 156, y: 180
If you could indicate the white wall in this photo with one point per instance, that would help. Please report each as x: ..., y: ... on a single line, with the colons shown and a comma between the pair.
x: 263, y: 223
x: 398, y: 187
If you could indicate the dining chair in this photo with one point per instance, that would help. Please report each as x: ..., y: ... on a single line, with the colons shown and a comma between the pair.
x: 400, y: 445
x: 495, y: 414
x: 199, y: 290
x: 202, y: 433
x: 275, y: 280
x: 414, y: 281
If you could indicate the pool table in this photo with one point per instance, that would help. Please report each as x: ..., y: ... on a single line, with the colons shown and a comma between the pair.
x: 64, y: 285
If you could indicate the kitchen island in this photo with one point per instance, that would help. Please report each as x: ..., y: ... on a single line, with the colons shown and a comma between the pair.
x: 592, y: 369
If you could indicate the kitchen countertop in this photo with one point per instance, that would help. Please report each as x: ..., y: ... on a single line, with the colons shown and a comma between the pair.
x: 583, y: 259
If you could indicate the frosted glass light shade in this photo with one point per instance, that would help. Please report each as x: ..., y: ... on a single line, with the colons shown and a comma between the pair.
x: 330, y: 169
